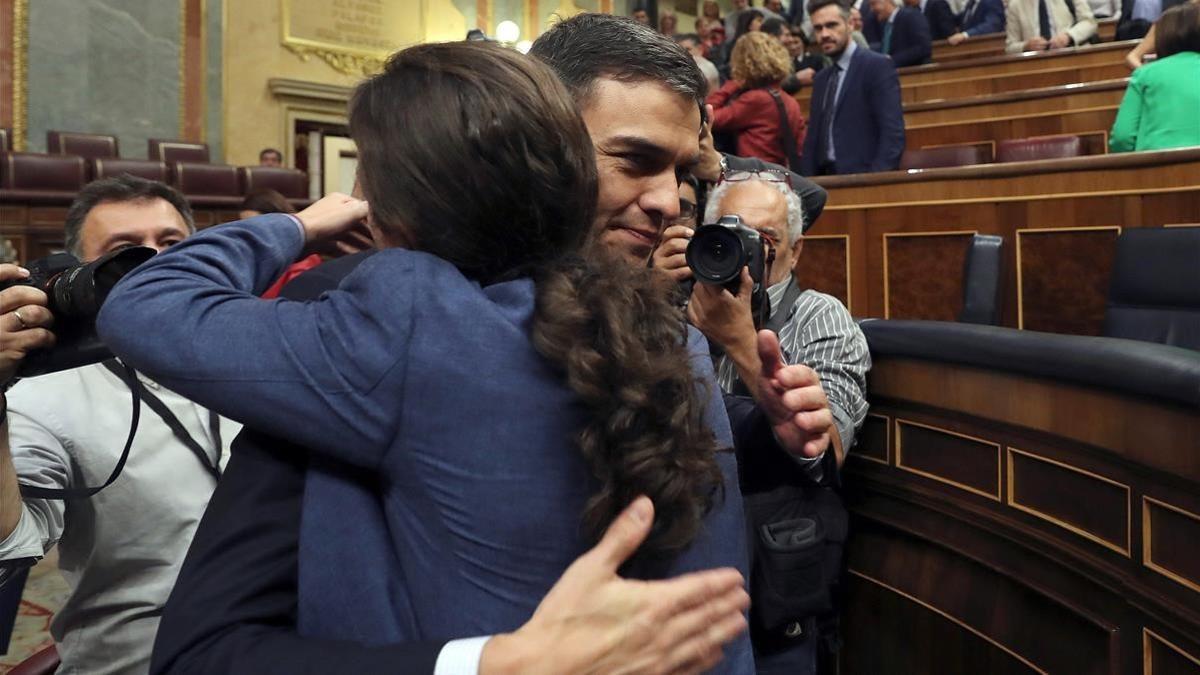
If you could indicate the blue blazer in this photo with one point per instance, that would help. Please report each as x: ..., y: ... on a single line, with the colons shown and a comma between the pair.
x: 911, y: 41
x: 868, y: 122
x: 988, y: 18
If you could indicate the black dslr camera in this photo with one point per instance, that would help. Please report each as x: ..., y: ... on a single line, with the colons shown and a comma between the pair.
x: 718, y: 252
x: 76, y: 292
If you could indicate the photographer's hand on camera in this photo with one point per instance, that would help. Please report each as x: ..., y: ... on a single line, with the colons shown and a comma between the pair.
x: 24, y: 321
x: 794, y: 401
x: 726, y: 319
x: 670, y: 254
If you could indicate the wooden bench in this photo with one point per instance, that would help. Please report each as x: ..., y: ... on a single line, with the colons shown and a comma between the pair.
x: 1087, y: 55
x: 888, y: 230
x: 992, y: 44
x: 1086, y: 121
x: 1060, y: 98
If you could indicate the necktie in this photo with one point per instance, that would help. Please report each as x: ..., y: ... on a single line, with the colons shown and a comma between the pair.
x: 828, y: 106
x: 1044, y: 19
x: 887, y: 37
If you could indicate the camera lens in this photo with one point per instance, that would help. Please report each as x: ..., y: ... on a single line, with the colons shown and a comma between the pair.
x: 715, y: 255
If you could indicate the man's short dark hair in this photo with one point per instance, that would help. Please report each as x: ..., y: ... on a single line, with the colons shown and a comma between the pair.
x: 120, y: 189
x: 272, y: 151
x: 588, y: 47
x: 681, y: 38
x: 774, y: 27
x: 815, y: 5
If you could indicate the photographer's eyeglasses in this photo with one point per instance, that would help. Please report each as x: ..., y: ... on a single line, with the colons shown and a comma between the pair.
x: 768, y: 175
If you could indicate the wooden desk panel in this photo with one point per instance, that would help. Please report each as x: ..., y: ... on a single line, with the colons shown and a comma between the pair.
x: 1088, y: 55
x: 1057, y: 99
x: 1126, y: 190
x: 1098, y: 120
x: 1046, y: 579
x: 992, y: 44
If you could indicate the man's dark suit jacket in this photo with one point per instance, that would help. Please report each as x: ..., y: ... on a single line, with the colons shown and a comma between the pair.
x: 911, y: 44
x: 941, y: 19
x: 1127, y: 30
x: 987, y: 18
x: 868, y: 122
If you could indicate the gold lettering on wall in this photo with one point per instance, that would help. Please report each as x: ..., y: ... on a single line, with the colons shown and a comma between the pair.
x: 352, y: 36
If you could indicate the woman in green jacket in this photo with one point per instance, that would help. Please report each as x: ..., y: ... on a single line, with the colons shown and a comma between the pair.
x: 1161, y: 108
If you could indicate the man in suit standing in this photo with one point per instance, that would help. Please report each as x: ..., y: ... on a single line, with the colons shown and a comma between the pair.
x: 979, y: 17
x: 1037, y: 25
x: 899, y: 32
x: 939, y: 16
x: 856, y: 122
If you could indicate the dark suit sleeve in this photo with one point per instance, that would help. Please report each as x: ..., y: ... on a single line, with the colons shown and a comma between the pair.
x: 993, y: 19
x: 917, y: 44
x: 889, y: 116
x: 871, y: 29
x: 233, y: 609
x: 941, y: 20
x: 812, y: 196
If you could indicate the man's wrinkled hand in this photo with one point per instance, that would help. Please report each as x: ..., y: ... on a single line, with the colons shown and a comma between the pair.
x: 670, y: 255
x: 725, y: 318
x: 593, y: 621
x: 24, y: 321
x: 331, y: 216
x: 794, y: 401
x: 1036, y: 44
x: 1060, y: 41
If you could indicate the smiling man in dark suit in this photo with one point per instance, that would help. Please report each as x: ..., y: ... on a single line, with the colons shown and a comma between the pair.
x: 899, y: 32
x: 856, y: 123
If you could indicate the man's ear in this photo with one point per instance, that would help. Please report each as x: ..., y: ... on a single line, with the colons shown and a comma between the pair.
x: 796, y: 248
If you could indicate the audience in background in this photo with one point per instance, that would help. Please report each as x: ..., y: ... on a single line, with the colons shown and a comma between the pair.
x: 270, y: 157
x: 856, y: 27
x: 1037, y: 25
x: 856, y: 123
x: 899, y: 32
x: 266, y: 200
x: 641, y: 16
x: 740, y: 7
x: 667, y: 24
x: 747, y: 21
x: 1161, y: 107
x: 766, y: 123
x: 1137, y: 16
x: 805, y: 64
x: 939, y: 16
x: 692, y: 43
x: 979, y: 17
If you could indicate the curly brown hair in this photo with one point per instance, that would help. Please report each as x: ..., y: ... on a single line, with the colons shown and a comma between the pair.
x: 501, y: 182
x: 759, y: 60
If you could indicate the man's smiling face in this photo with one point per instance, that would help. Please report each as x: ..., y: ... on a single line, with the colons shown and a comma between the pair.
x: 645, y: 136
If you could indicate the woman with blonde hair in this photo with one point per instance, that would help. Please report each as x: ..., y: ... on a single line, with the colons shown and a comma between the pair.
x: 767, y: 123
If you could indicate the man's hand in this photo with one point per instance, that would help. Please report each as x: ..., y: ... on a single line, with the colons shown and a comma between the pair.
x: 1036, y: 44
x: 958, y: 38
x: 593, y: 621
x: 1060, y: 41
x: 794, y: 402
x: 331, y: 216
x: 24, y: 322
x: 806, y: 76
x: 708, y: 169
x: 727, y: 320
x: 670, y: 255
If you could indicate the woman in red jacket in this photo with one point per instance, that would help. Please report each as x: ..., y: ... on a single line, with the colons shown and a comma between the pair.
x: 752, y: 107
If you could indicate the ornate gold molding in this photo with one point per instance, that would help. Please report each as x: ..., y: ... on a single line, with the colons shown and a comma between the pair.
x: 343, y: 62
x: 20, y: 72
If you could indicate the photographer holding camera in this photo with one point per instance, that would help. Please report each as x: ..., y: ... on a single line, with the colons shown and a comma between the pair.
x: 743, y: 261
x: 120, y: 549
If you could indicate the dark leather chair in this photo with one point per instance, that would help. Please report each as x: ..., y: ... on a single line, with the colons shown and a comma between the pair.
x: 932, y: 158
x: 30, y: 176
x: 290, y: 183
x: 142, y: 168
x: 1041, y: 147
x: 44, y: 662
x: 981, y: 281
x: 1155, y: 291
x: 212, y: 180
x: 177, y: 151
x: 5, y: 139
x: 89, y: 146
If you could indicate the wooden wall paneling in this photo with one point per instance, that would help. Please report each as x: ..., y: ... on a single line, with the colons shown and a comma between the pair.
x: 950, y: 458
x: 923, y: 274
x: 1063, y: 277
x: 1171, y: 541
x: 1085, y: 121
x: 824, y: 265
x: 1165, y: 657
x: 875, y: 439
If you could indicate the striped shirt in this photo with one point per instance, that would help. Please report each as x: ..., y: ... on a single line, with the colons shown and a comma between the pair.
x: 821, y: 334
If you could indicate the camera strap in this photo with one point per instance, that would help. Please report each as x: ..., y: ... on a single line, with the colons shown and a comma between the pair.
x: 156, y: 404
x: 130, y: 379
